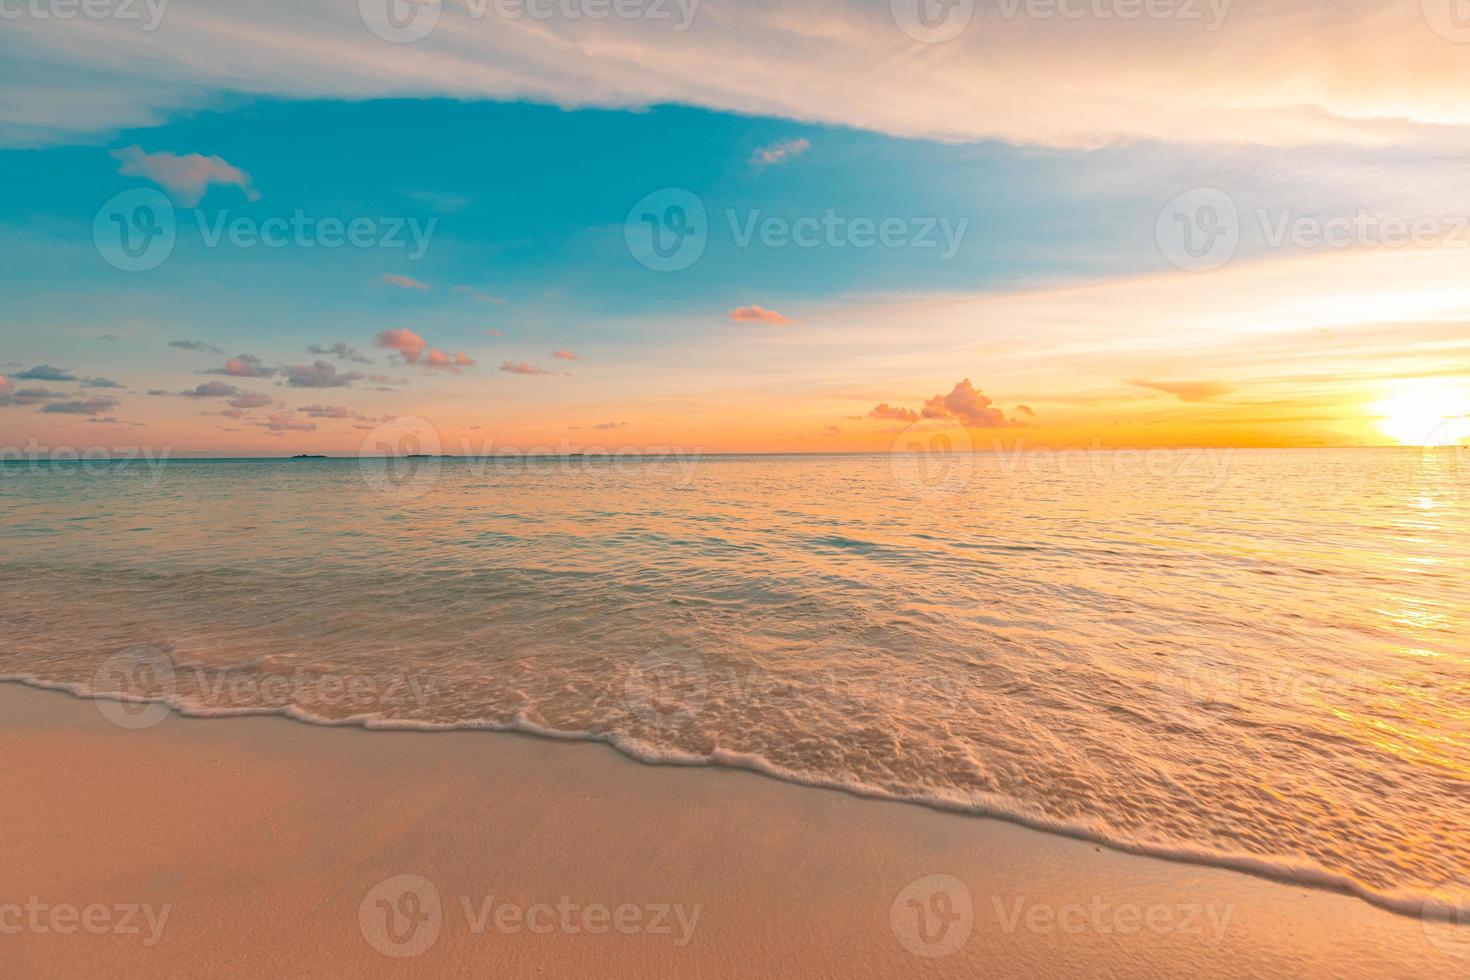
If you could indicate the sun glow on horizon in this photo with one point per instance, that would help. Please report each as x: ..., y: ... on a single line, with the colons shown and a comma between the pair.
x: 1424, y: 412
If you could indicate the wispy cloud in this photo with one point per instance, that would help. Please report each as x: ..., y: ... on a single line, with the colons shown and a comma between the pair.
x: 244, y: 366
x: 341, y: 351
x: 186, y: 177
x: 1188, y: 391
x: 196, y: 345
x: 45, y: 372
x: 565, y: 355
x: 780, y: 152
x: 758, y: 314
x: 405, y: 282
x: 521, y: 367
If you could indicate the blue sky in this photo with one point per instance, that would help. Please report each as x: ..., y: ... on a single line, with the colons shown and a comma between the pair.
x: 1049, y: 153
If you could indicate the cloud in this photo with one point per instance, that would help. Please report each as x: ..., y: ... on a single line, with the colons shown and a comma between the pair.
x: 1352, y: 71
x: 1188, y: 391
x: 757, y: 314
x: 186, y: 178
x: 780, y: 152
x: 521, y: 367
x: 250, y: 399
x: 565, y: 355
x: 415, y: 350
x: 831, y: 430
x: 286, y: 423
x: 211, y: 389
x: 494, y: 332
x: 319, y: 374
x: 45, y: 372
x: 198, y: 345
x: 405, y: 342
x: 964, y: 404
x: 971, y: 408
x: 887, y: 411
x: 329, y: 412
x: 610, y: 425
x: 405, y: 282
x: 341, y: 351
x: 100, y: 383
x: 34, y: 396
x: 244, y: 366
x: 1026, y: 410
x: 477, y: 295
x: 89, y: 406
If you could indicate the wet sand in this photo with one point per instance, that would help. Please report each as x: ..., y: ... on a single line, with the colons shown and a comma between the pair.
x: 241, y: 846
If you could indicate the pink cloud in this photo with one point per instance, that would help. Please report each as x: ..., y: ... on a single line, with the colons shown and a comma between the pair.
x: 522, y: 367
x: 964, y: 404
x: 440, y: 361
x: 565, y: 355
x: 285, y: 423
x: 780, y: 152
x: 405, y: 282
x: 250, y: 399
x: 244, y: 366
x: 887, y: 411
x: 408, y: 344
x: 187, y: 177
x: 757, y: 314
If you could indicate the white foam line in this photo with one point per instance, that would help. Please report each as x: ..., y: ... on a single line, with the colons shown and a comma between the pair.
x: 1403, y: 901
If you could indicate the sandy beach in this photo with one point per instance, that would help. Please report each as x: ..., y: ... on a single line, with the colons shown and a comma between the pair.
x: 227, y: 847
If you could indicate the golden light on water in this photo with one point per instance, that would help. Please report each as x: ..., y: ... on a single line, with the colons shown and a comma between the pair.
x: 1425, y: 412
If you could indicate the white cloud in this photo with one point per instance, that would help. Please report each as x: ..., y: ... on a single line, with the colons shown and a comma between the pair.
x: 1273, y: 72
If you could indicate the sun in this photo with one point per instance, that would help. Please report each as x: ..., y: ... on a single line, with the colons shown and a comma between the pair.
x: 1424, y: 412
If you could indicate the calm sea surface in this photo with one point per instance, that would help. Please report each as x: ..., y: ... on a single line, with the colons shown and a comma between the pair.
x: 1253, y: 658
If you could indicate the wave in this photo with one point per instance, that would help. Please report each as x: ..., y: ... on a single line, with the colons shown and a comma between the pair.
x: 1401, y: 901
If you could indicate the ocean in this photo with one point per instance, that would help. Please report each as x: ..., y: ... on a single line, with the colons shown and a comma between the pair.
x: 1250, y: 658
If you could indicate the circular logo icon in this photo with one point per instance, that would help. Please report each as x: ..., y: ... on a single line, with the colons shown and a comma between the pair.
x: 1446, y: 917
x: 1199, y: 230
x: 135, y: 231
x: 400, y: 21
x: 932, y: 21
x: 667, y: 688
x: 929, y: 459
x: 132, y: 686
x: 400, y: 458
x: 667, y: 230
x: 401, y: 916
x: 1450, y: 19
x: 933, y: 916
x: 1200, y: 686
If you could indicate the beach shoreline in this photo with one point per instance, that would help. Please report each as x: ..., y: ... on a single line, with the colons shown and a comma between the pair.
x: 253, y: 843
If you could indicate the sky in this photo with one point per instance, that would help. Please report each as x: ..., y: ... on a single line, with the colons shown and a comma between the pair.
x: 243, y: 228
